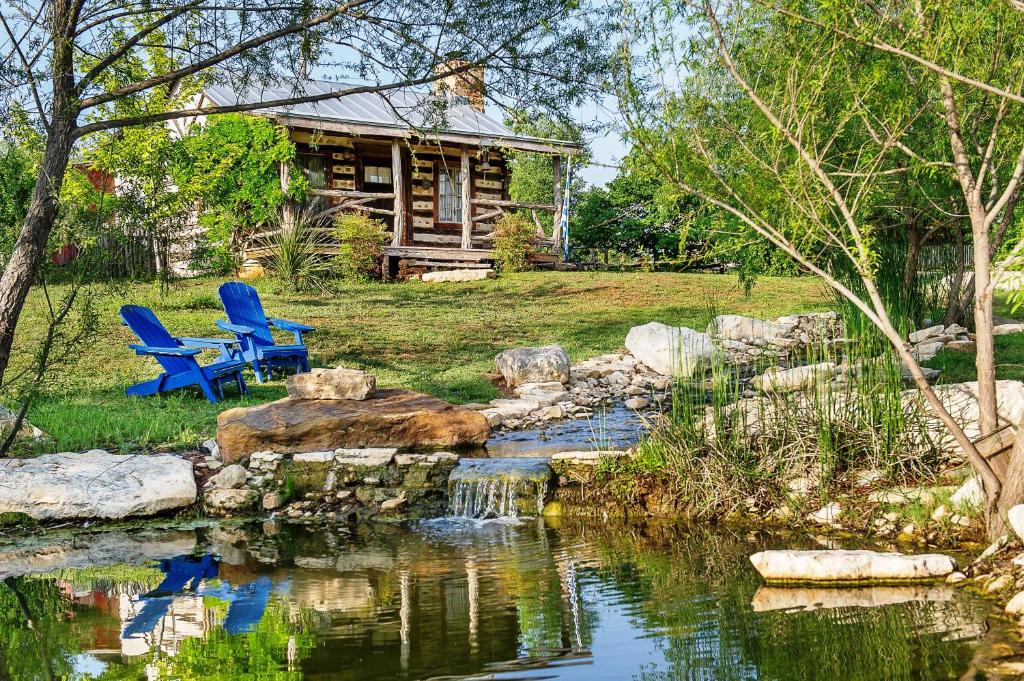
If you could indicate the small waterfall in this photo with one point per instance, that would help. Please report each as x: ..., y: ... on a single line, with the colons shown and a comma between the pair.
x: 498, y: 488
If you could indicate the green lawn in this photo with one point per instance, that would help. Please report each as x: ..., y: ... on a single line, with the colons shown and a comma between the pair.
x: 439, y: 339
x: 958, y: 367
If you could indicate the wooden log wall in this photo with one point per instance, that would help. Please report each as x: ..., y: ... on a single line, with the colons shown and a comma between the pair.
x: 343, y: 168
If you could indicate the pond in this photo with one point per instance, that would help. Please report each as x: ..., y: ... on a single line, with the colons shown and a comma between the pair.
x: 458, y: 599
x: 610, y: 427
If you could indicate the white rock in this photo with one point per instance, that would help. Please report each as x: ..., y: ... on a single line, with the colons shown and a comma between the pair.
x: 313, y: 457
x: 669, y: 350
x: 230, y: 500
x: 393, y: 504
x: 232, y: 477
x: 534, y: 365
x: 1005, y: 329
x: 1016, y: 605
x: 848, y: 566
x: 737, y: 327
x: 458, y: 276
x: 925, y: 334
x: 961, y: 400
x: 826, y: 515
x: 969, y: 494
x: 926, y: 351
x: 96, y: 484
x: 544, y: 394
x: 210, y: 448
x: 332, y: 384
x: 1015, y: 516
x: 370, y: 456
x: 779, y: 380
x: 637, y: 403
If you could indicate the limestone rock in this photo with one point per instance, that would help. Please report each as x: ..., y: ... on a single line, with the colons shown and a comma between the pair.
x: 669, y: 350
x: 272, y: 500
x: 27, y: 430
x: 826, y: 515
x: 926, y: 351
x: 331, y: 384
x: 969, y: 494
x: 961, y: 400
x: 779, y: 380
x: 391, y: 418
x: 924, y: 334
x: 1016, y: 605
x: 738, y: 328
x: 95, y: 484
x: 544, y: 394
x: 232, y: 477
x: 393, y: 504
x: 457, y: 276
x: 849, y: 566
x: 534, y: 365
x: 1015, y: 516
x: 637, y: 403
x: 1006, y: 329
x: 228, y: 501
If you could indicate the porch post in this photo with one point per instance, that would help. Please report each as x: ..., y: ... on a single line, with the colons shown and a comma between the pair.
x: 398, y: 185
x: 467, y: 206
x: 556, y: 173
x: 288, y: 210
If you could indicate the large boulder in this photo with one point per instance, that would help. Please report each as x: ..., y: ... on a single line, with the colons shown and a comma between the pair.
x: 534, y: 365
x: 331, y: 384
x: 391, y: 418
x: 849, y: 566
x: 669, y: 350
x: 779, y: 380
x: 739, y: 328
x: 95, y: 484
x: 961, y: 400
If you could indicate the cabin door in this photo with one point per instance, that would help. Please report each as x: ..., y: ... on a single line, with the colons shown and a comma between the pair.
x: 377, y: 178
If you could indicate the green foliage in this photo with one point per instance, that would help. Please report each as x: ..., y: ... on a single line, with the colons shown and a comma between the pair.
x: 636, y: 214
x: 361, y: 242
x: 17, y: 178
x: 296, y: 255
x: 232, y: 165
x: 513, y: 242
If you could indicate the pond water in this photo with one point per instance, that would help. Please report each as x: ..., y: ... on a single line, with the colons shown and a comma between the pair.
x: 461, y: 599
x: 610, y: 427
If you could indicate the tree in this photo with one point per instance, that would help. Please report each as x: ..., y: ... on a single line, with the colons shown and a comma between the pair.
x: 803, y: 124
x: 71, y: 60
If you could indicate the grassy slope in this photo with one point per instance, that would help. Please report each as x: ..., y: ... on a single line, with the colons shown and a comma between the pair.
x: 439, y: 339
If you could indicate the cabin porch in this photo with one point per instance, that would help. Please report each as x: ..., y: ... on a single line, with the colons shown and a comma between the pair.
x: 438, y: 198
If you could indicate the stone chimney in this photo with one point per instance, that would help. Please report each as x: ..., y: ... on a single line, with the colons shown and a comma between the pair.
x: 468, y: 84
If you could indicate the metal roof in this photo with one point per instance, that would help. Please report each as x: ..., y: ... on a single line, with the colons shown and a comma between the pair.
x: 403, y: 109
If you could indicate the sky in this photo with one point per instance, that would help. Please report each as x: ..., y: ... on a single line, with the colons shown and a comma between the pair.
x: 607, y: 147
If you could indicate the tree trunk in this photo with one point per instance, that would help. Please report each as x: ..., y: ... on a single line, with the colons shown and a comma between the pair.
x: 985, y: 360
x: 1013, y: 488
x: 913, y: 257
x: 30, y: 249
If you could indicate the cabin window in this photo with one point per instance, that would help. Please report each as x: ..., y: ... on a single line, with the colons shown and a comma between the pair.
x: 314, y: 168
x: 449, y: 195
x: 377, y: 175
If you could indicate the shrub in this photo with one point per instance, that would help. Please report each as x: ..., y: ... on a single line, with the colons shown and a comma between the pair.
x: 513, y: 243
x: 362, y: 240
x: 296, y: 253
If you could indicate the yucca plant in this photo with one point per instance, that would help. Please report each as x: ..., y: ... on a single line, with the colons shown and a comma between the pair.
x: 296, y: 253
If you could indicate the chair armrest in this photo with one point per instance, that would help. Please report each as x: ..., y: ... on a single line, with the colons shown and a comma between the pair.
x: 170, y: 352
x: 286, y: 325
x: 207, y: 342
x: 235, y: 328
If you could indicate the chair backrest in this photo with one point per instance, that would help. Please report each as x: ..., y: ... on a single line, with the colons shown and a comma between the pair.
x: 151, y: 332
x: 242, y: 306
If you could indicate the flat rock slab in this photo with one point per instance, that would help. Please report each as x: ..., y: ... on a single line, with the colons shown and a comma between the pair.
x: 849, y: 566
x: 331, y: 384
x: 95, y: 484
x: 456, y: 276
x: 390, y: 418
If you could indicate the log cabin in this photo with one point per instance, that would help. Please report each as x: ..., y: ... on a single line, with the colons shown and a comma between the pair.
x: 431, y: 164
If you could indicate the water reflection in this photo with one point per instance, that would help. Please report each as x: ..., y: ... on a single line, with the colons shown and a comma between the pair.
x: 459, y: 599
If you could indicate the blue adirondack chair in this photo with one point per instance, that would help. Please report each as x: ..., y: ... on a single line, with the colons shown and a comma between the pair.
x: 177, y: 357
x: 251, y: 326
